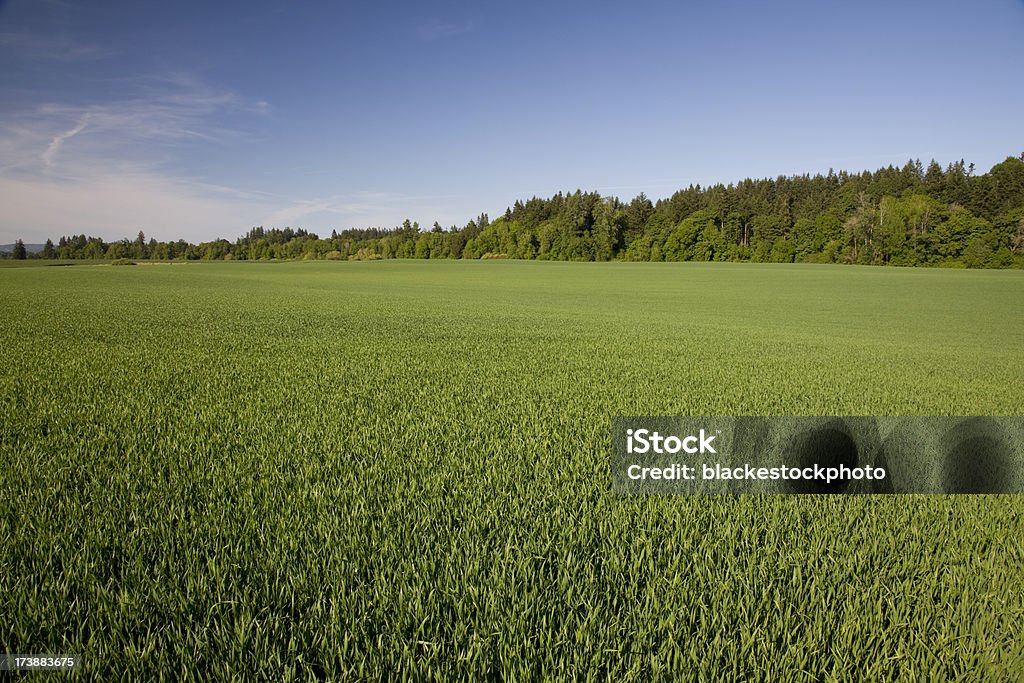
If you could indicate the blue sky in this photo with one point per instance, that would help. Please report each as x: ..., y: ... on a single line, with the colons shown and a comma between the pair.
x: 198, y: 120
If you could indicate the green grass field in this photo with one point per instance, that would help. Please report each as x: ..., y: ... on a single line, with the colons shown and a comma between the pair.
x: 400, y: 469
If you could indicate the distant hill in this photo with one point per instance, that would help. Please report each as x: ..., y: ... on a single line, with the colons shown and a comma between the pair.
x: 30, y: 248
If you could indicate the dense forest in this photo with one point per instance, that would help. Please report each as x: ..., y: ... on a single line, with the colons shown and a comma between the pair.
x: 909, y: 216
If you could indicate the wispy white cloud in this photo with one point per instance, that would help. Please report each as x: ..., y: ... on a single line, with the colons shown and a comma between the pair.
x: 435, y: 30
x: 297, y: 210
x: 119, y: 203
x: 116, y: 205
x: 175, y: 109
x: 360, y: 209
x: 58, y: 140
x: 55, y: 138
x: 51, y: 48
x: 108, y: 168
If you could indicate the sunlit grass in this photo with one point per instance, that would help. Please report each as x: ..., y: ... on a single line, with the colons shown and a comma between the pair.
x: 400, y: 469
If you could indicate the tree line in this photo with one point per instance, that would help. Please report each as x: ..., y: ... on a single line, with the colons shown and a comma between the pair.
x: 910, y: 216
